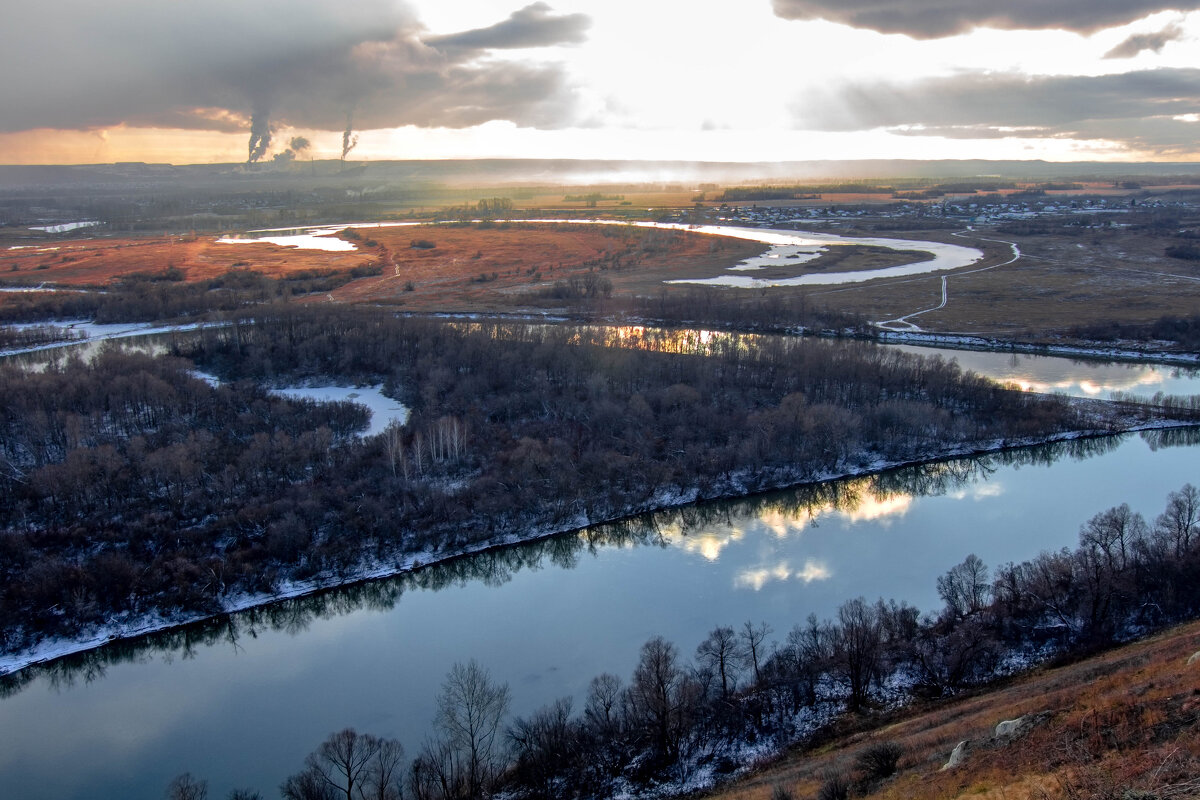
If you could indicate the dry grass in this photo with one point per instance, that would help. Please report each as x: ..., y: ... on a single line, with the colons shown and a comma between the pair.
x: 99, y: 262
x: 502, y: 267
x: 1059, y: 281
x: 1125, y: 720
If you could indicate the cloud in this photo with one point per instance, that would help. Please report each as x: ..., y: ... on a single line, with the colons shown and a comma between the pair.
x: 535, y: 25
x: 226, y: 64
x: 1146, y: 41
x: 1134, y: 107
x: 931, y: 19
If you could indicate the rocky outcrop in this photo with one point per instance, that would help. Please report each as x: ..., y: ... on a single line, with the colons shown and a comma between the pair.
x: 958, y: 755
x: 1014, y: 728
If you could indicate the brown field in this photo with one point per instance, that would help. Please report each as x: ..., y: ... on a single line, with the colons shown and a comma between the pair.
x: 1125, y: 720
x: 469, y: 267
x: 1060, y: 280
x: 98, y: 262
x: 502, y: 267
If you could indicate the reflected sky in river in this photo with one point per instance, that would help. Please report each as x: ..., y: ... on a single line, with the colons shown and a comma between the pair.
x: 241, y: 701
x: 1077, y: 378
x: 857, y: 502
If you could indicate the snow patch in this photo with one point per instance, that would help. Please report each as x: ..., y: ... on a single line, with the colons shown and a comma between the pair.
x: 65, y: 226
x: 384, y: 410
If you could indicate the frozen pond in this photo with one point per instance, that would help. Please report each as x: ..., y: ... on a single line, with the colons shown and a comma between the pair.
x: 318, y: 238
x: 65, y: 227
x: 384, y: 410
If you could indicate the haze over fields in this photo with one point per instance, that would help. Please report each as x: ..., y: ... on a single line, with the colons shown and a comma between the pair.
x: 763, y: 80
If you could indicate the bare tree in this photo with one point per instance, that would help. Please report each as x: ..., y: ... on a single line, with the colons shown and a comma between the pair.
x: 1178, y: 527
x: 720, y: 653
x: 384, y: 777
x: 393, y: 446
x: 547, y: 746
x: 351, y: 765
x: 753, y: 637
x: 1114, y: 534
x: 965, y: 588
x: 185, y: 787
x: 811, y: 646
x: 603, y: 707
x: 654, y: 694
x: 470, y: 709
x: 434, y: 774
x: 857, y: 648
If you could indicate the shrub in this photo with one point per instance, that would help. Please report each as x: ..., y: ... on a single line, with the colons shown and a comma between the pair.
x: 781, y: 792
x: 835, y: 787
x: 879, y: 761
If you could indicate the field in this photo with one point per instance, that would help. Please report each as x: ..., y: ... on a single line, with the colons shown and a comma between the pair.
x: 427, y: 268
x: 1037, y: 279
x: 1057, y: 282
x: 1112, y: 726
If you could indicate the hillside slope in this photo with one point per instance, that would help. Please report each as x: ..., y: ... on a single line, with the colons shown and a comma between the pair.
x: 1122, y: 724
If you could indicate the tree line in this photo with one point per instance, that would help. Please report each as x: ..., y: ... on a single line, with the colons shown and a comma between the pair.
x: 676, y: 716
x: 1183, y: 330
x: 164, y: 295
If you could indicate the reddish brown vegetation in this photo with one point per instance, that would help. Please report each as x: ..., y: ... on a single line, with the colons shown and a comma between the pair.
x: 98, y: 262
x: 1125, y: 721
x: 468, y: 267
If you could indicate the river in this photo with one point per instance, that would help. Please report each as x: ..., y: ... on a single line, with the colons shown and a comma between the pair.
x: 241, y: 701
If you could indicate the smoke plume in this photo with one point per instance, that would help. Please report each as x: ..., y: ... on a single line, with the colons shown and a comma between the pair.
x: 349, y: 139
x: 146, y: 63
x: 260, y: 136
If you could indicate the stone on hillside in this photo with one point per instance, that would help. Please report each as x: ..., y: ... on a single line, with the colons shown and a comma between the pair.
x: 958, y: 756
x: 1009, y: 727
x: 1012, y: 728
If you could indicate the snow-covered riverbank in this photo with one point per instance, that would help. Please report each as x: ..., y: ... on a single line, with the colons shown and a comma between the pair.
x: 735, y: 486
x: 1146, y: 352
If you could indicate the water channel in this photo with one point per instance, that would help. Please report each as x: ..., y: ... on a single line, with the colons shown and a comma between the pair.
x: 241, y: 701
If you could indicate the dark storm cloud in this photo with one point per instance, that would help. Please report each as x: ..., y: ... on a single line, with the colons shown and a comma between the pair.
x: 1146, y: 41
x: 535, y: 25
x: 1135, y: 107
x: 931, y: 19
x: 78, y: 64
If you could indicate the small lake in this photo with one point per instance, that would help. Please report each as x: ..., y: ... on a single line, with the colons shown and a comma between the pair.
x: 241, y: 701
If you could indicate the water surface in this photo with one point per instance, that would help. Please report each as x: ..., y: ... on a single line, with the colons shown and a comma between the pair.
x: 242, y: 702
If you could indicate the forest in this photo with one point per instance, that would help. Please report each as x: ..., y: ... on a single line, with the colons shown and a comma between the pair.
x: 677, y: 716
x: 130, y: 485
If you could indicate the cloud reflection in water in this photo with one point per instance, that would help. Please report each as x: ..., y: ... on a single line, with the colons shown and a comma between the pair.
x: 756, y: 579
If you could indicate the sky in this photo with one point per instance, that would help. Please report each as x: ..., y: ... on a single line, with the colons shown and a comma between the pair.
x: 709, y: 80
